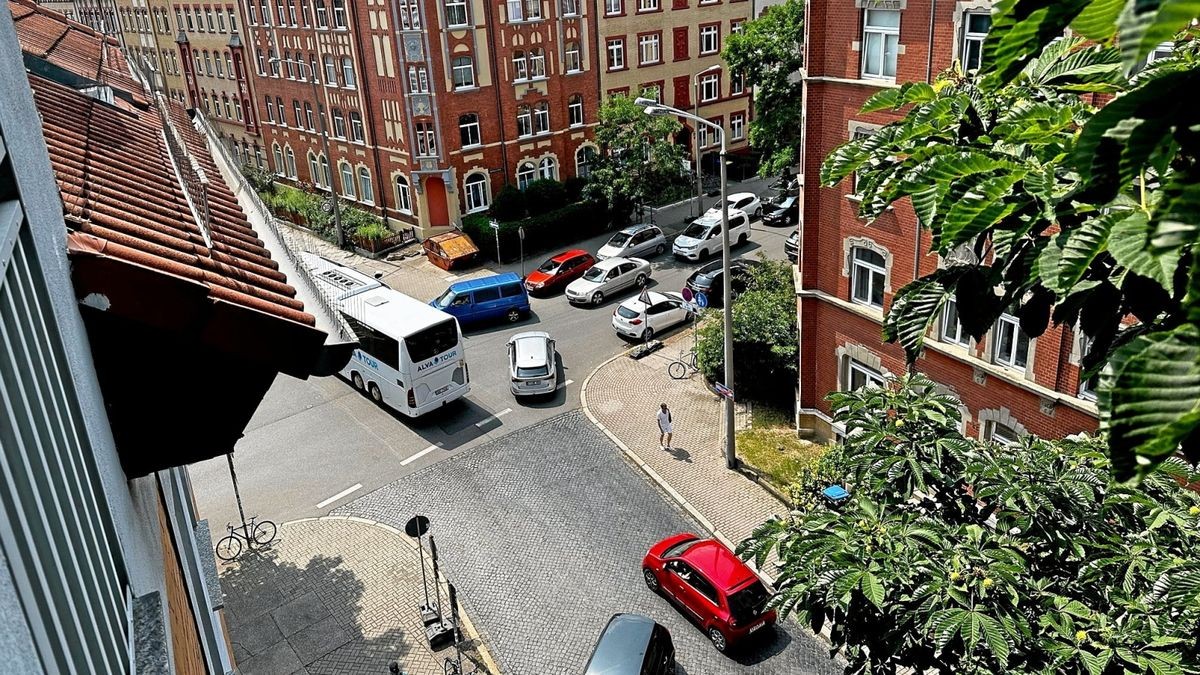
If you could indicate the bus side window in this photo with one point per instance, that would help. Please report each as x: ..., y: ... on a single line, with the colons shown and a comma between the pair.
x: 376, y: 344
x: 511, y: 290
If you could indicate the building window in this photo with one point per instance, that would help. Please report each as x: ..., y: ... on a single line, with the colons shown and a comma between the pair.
x: 548, y: 169
x: 710, y: 39
x: 515, y: 10
x: 308, y: 117
x: 229, y: 64
x: 403, y: 195
x: 1160, y: 51
x: 282, y: 111
x: 366, y: 189
x: 613, y: 7
x: 291, y: 7
x: 1087, y: 388
x: 456, y: 13
x: 348, y: 72
x: 647, y: 5
x: 868, y: 275
x: 737, y: 83
x: 418, y: 79
x: 426, y: 141
x: 649, y: 49
x: 710, y: 87
x: 468, y: 129
x: 573, y: 62
x: 322, y: 14
x: 570, y: 7
x: 289, y: 159
x: 975, y: 29
x: 533, y: 9
x: 537, y: 63
x: 237, y: 109
x: 220, y: 66
x: 232, y: 21
x: 575, y: 110
x: 296, y: 112
x: 475, y: 186
x: 616, y: 54
x: 880, y: 42
x: 410, y: 15
x: 541, y: 118
x: 951, y: 329
x: 278, y: 156
x: 270, y: 110
x: 357, y: 132
x: 1010, y: 344
x: 327, y: 177
x: 526, y: 174
x: 652, y: 92
x: 330, y: 71
x: 702, y: 133
x: 737, y: 126
x: 339, y: 13
x: 524, y: 121
x: 464, y: 72
x: 1001, y: 433
x: 347, y: 180
x: 339, y: 123
x: 858, y: 133
x: 520, y: 66
x: 584, y: 157
x: 856, y: 375
x: 208, y: 67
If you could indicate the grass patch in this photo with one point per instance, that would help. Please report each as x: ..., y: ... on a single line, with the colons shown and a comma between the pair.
x: 771, y: 446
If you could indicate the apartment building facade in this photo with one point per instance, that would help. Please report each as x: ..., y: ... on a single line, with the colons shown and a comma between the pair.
x: 669, y: 50
x: 1010, y: 384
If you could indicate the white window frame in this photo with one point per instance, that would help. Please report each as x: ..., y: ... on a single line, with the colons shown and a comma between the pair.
x: 456, y: 14
x: 403, y: 195
x: 853, y: 367
x: 649, y: 49
x: 648, y: 5
x: 570, y: 7
x: 475, y: 187
x: 366, y: 185
x: 710, y: 39
x: 339, y: 14
x: 520, y: 66
x: 541, y: 118
x: 348, y: 72
x: 583, y: 160
x: 1087, y: 389
x: 524, y: 121
x: 882, y: 33
x: 1009, y: 438
x: 357, y: 129
x: 573, y: 58
x: 614, y: 7
x: 876, y: 279
x: 348, y: 185
x: 516, y: 11
x: 537, y: 63
x: 1008, y: 322
x: 710, y: 87
x: 526, y: 174
x: 463, y: 76
x: 548, y: 168
x: 972, y: 40
x: 472, y: 129
x: 575, y: 110
x: 737, y: 126
x: 950, y: 330
x: 616, y: 53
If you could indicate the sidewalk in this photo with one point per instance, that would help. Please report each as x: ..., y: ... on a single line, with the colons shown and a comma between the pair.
x: 622, y: 397
x: 335, y: 595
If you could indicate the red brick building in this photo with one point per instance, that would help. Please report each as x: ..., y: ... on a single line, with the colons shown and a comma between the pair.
x: 431, y: 107
x: 1010, y: 384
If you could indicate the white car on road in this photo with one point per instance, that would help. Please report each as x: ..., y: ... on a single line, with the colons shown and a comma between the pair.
x: 739, y: 201
x: 531, y: 364
x: 607, y: 277
x: 702, y: 238
x: 650, y: 313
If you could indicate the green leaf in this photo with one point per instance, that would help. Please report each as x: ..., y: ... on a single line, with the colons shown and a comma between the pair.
x: 872, y: 589
x: 1146, y: 23
x: 1095, y: 663
x: 1127, y: 243
x: 1151, y: 393
x: 1020, y: 29
x: 906, y: 94
x: 1176, y: 221
x: 1082, y: 246
x: 916, y: 306
x: 1098, y: 21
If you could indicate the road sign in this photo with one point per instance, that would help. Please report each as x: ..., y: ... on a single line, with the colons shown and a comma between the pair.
x: 494, y: 224
x: 702, y: 300
x: 687, y: 294
x: 416, y: 526
x: 723, y: 390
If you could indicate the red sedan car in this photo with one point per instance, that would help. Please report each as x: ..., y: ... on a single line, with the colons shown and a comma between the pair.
x: 713, y: 586
x: 559, y: 271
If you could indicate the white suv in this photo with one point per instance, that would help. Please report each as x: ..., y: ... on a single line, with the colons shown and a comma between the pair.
x: 702, y: 238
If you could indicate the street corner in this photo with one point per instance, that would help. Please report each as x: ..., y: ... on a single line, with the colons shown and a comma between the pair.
x: 337, y: 595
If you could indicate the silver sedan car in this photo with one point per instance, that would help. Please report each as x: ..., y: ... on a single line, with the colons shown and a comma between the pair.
x: 531, y: 364
x: 635, y: 241
x: 607, y: 277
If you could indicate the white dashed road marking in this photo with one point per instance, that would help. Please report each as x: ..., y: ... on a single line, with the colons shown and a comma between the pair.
x: 348, y: 491
x: 419, y: 455
x: 489, y: 418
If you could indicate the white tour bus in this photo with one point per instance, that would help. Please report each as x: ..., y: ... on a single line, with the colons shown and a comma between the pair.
x: 410, y: 355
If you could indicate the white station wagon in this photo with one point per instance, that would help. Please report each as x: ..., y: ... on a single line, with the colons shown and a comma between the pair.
x: 531, y: 364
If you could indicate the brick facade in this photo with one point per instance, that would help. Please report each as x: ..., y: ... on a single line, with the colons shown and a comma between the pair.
x: 840, y: 323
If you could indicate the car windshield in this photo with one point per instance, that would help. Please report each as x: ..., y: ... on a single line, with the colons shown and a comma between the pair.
x: 627, y: 312
x: 680, y: 548
x: 696, y: 230
x: 538, y: 371
x: 595, y: 274
x: 445, y: 299
x: 782, y: 200
x: 549, y: 267
x: 749, y: 602
x: 619, y: 239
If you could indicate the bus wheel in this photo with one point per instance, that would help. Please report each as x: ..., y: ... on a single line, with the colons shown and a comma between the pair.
x: 376, y: 395
x: 357, y: 381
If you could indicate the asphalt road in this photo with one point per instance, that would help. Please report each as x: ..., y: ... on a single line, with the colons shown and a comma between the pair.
x: 315, y: 444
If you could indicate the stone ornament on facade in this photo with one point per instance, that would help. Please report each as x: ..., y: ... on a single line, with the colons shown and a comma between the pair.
x: 862, y: 355
x: 851, y: 243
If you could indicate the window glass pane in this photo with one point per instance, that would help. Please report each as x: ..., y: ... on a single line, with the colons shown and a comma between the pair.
x: 877, y: 289
x: 487, y: 294
x: 889, y: 56
x: 882, y: 19
x: 872, y: 53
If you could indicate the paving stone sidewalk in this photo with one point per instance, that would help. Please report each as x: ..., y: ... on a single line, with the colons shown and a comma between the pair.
x: 334, y: 596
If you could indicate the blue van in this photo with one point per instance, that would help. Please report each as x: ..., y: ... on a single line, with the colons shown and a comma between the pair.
x: 485, y: 299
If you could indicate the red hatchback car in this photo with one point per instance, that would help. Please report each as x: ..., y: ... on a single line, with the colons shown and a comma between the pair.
x: 716, y: 589
x: 559, y: 271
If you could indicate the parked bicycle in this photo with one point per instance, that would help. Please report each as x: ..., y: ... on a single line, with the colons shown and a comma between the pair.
x: 684, y: 366
x: 254, y: 533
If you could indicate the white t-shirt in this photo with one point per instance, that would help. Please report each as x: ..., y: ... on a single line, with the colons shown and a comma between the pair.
x: 664, y: 421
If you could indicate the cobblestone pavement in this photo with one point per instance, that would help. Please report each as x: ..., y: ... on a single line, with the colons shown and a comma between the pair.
x: 331, y: 596
x: 543, y: 531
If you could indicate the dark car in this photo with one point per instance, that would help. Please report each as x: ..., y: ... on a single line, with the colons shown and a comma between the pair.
x: 784, y: 210
x: 791, y: 245
x: 709, y: 279
x: 559, y: 271
x: 632, y: 644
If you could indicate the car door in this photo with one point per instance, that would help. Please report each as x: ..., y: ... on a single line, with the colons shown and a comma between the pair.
x: 708, y: 600
x: 675, y: 584
x: 612, y: 280
x: 743, y: 203
x: 673, y: 313
x: 656, y: 316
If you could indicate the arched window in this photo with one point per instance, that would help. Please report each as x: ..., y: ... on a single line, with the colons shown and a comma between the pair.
x: 290, y: 159
x: 464, y: 72
x: 314, y: 173
x: 526, y: 173
x: 326, y: 176
x: 868, y: 277
x: 548, y: 168
x: 475, y: 187
x: 366, y: 188
x: 573, y: 60
x: 403, y: 195
x: 468, y: 128
x: 520, y: 66
x: 278, y: 155
x: 541, y: 118
x: 348, y: 71
x: 584, y: 157
x: 347, y: 179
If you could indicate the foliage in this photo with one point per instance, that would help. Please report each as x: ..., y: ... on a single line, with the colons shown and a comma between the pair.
x: 771, y: 446
x: 544, y: 195
x: 508, y: 205
x: 375, y: 231
x: 574, y: 187
x: 956, y: 556
x: 770, y: 52
x: 638, y: 159
x: 542, y: 232
x: 1082, y: 216
x: 764, y: 336
x: 259, y: 178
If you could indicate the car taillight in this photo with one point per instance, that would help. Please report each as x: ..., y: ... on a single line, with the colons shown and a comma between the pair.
x: 412, y: 398
x: 636, y: 322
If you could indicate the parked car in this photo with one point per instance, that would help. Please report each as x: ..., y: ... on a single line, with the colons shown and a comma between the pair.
x: 559, y: 271
x: 632, y: 644
x: 712, y: 585
x: 710, y: 279
x: 607, y: 277
x: 703, y: 237
x: 635, y: 241
x: 531, y: 364
x: 791, y: 245
x: 649, y: 313
x: 485, y: 299
x: 739, y: 201
x: 783, y: 210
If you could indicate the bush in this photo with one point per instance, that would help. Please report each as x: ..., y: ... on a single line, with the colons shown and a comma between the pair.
x: 375, y: 231
x: 508, y: 205
x: 544, y: 195
x: 572, y: 222
x: 262, y: 180
x: 574, y: 188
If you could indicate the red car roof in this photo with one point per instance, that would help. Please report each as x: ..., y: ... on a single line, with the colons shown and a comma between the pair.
x: 718, y: 564
x: 567, y: 255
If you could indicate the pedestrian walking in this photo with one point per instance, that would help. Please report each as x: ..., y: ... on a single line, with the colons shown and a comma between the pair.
x: 664, y: 427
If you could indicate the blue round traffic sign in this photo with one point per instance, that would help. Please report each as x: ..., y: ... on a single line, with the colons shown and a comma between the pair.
x: 701, y: 300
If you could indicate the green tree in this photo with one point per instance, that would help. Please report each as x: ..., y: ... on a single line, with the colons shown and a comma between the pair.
x: 508, y: 205
x: 638, y: 162
x: 769, y: 52
x: 545, y: 195
x: 1082, y: 216
x: 957, y: 556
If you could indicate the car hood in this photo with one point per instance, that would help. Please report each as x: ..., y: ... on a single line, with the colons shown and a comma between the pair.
x: 610, y: 251
x: 536, y: 277
x: 684, y: 241
x: 582, y: 285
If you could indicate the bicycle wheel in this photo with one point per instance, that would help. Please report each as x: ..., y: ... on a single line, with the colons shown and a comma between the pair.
x: 229, y: 548
x: 264, y: 532
x: 677, y: 370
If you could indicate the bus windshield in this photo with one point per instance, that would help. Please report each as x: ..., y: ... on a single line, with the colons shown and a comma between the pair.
x: 437, y: 339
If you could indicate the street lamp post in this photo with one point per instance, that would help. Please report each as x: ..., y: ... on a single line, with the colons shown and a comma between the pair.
x: 658, y: 109
x: 337, y: 212
x: 696, y: 106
